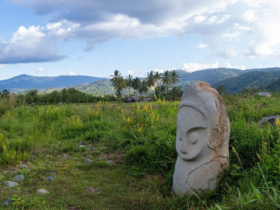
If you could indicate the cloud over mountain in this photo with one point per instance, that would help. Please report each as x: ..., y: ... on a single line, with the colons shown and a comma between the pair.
x: 219, y: 23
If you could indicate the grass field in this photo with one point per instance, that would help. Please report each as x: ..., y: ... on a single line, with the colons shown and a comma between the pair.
x: 132, y: 153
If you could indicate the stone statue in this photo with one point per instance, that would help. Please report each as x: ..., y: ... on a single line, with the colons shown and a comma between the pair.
x: 202, y: 140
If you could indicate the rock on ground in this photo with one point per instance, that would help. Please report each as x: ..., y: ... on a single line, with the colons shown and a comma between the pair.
x: 19, y: 177
x: 7, y: 202
x: 88, y: 161
x: 11, y: 184
x: 270, y: 119
x: 42, y: 191
x: 50, y: 178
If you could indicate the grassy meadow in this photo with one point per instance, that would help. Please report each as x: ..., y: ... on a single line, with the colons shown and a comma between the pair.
x: 139, y: 140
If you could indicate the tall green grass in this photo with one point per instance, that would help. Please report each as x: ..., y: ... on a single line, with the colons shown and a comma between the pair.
x: 146, y: 135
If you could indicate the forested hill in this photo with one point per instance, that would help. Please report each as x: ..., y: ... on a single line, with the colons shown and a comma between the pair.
x: 24, y: 82
x: 272, y: 86
x: 251, y: 79
x: 186, y: 78
x: 208, y: 75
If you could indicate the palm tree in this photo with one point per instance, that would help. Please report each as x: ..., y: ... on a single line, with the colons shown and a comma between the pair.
x: 136, y: 83
x: 119, y: 85
x: 174, y: 78
x: 150, y: 79
x: 144, y: 87
x: 116, y: 75
x: 128, y: 81
x: 166, y: 79
x: 157, y: 78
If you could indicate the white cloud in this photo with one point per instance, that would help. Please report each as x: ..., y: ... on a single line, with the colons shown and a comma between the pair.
x: 223, y: 19
x: 72, y: 73
x: 228, y: 52
x: 250, y: 15
x: 230, y: 36
x: 41, y: 70
x: 201, y: 46
x: 228, y: 65
x: 1, y: 66
x: 29, y: 45
x: 241, y: 27
x: 159, y: 70
x: 131, y: 72
x: 200, y: 19
x: 191, y: 67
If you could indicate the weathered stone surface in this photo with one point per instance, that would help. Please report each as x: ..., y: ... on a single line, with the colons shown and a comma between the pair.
x: 7, y: 202
x: 50, y: 178
x: 42, y: 191
x: 88, y: 161
x: 271, y: 119
x: 11, y: 184
x: 202, y: 140
x: 23, y: 166
x: 19, y: 177
x: 110, y: 162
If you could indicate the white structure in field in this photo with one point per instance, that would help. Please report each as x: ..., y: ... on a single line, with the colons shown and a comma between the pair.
x: 202, y: 140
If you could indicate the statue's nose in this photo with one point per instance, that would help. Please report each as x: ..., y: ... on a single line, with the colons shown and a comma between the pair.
x: 184, y: 146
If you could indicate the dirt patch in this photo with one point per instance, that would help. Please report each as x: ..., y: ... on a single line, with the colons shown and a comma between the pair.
x: 73, y: 208
x: 92, y: 190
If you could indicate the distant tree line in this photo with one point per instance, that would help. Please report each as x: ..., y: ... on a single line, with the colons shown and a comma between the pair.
x: 160, y: 81
x: 70, y: 95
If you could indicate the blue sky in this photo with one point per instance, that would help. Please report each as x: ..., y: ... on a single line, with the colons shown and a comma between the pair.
x: 95, y: 37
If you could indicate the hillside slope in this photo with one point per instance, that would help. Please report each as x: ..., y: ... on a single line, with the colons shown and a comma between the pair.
x: 252, y: 79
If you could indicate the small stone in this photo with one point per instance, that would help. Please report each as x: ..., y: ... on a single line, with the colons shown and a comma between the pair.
x: 79, y: 163
x: 13, y: 172
x: 11, y: 184
x: 89, y: 156
x: 271, y: 119
x: 103, y: 157
x: 110, y: 162
x: 42, y: 191
x: 81, y: 146
x: 52, y: 173
x: 88, y: 161
x: 50, y: 178
x: 7, y: 202
x: 19, y: 177
x: 6, y: 171
x: 65, y: 155
x: 23, y: 166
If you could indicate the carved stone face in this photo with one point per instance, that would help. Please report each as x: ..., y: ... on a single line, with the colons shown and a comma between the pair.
x: 192, y: 130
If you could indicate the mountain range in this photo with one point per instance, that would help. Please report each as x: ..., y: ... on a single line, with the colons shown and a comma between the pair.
x: 26, y: 82
x: 232, y: 79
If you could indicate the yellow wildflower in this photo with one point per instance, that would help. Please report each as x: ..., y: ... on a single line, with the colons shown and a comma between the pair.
x: 277, y: 122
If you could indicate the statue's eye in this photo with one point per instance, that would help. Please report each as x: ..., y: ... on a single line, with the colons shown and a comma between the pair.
x: 193, y: 137
x: 194, y: 134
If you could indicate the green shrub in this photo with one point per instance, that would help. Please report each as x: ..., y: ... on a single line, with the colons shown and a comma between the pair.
x: 12, y: 153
